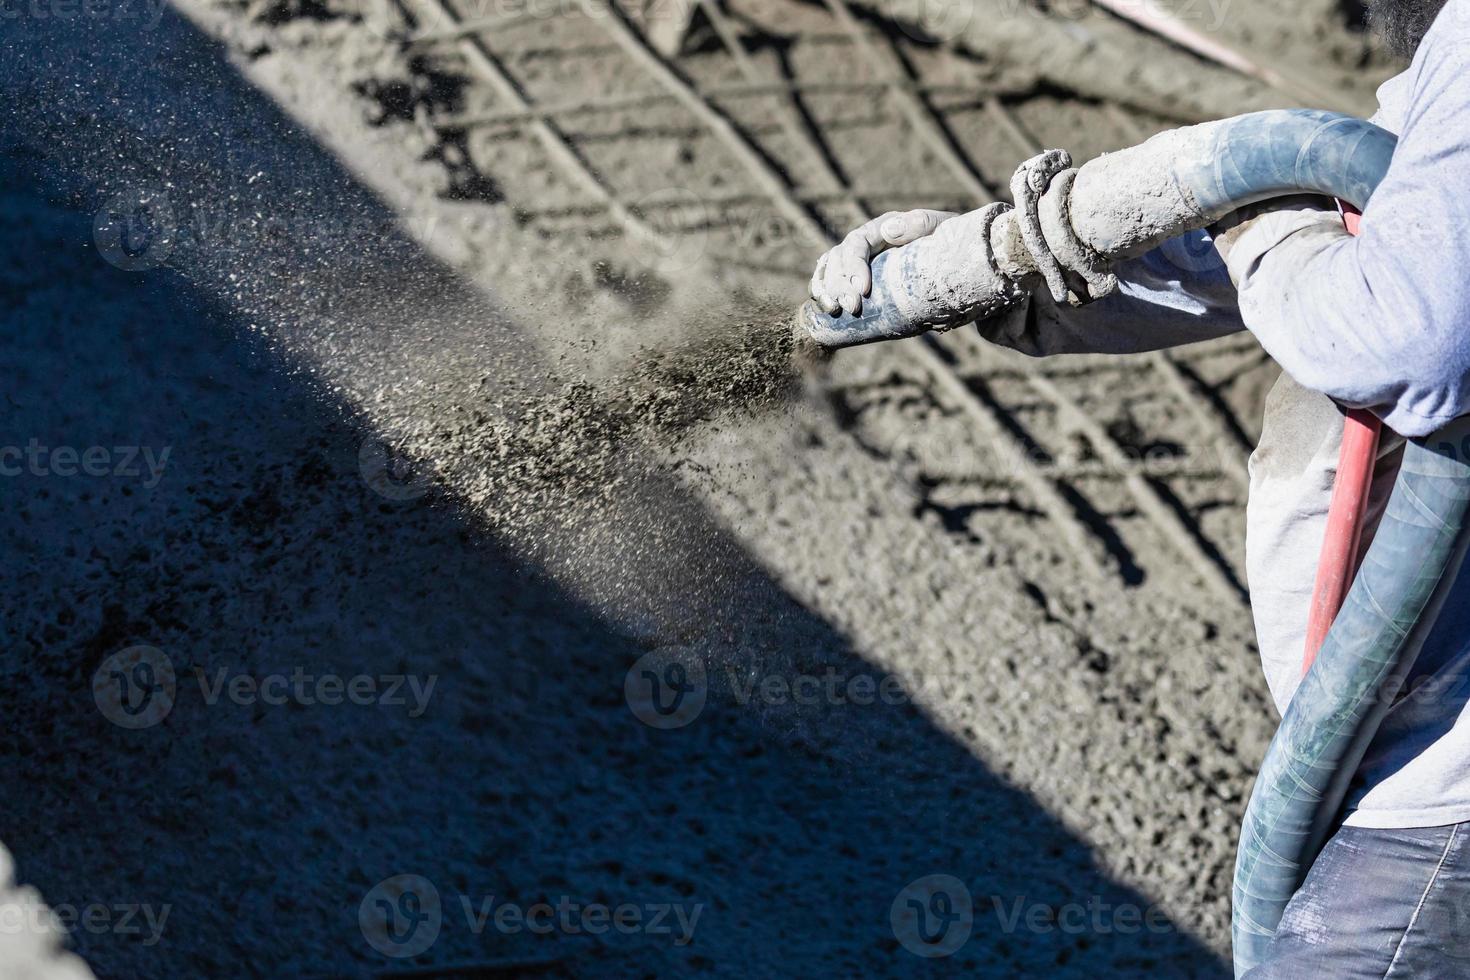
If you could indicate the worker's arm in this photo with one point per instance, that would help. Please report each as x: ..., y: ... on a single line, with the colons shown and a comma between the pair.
x: 1177, y: 294
x: 1381, y: 321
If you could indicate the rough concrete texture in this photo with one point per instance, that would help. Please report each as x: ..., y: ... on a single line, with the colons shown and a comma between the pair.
x: 1077, y: 730
x: 1128, y: 202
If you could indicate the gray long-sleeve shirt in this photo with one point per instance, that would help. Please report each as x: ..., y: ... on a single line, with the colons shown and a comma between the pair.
x: 1381, y: 321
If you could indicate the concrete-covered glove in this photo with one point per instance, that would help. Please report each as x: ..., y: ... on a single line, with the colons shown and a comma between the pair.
x: 843, y: 278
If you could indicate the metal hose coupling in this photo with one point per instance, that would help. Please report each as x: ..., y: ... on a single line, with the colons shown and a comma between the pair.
x: 1042, y: 188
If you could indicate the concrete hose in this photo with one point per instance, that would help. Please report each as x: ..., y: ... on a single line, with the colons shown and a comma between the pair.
x: 1116, y: 206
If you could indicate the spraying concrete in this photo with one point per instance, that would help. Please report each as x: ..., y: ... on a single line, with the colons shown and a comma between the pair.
x: 564, y: 449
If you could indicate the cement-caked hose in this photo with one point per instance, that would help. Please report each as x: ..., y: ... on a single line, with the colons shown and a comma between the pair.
x: 1124, y: 204
x: 1116, y: 206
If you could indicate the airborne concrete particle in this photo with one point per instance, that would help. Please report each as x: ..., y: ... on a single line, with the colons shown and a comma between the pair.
x: 567, y: 446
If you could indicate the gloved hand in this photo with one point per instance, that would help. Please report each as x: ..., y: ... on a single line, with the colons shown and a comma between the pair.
x: 843, y: 278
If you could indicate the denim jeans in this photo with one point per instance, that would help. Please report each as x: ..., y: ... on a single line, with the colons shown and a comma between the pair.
x: 1379, y: 903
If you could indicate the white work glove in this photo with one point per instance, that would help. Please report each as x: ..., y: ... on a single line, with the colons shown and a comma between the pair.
x: 843, y: 278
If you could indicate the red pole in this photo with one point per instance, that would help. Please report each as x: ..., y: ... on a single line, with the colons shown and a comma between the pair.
x: 1339, y: 559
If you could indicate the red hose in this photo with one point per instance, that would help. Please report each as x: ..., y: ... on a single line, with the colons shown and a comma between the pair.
x: 1340, y: 548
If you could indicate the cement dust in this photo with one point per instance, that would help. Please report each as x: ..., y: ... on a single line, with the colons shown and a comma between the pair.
x: 562, y: 450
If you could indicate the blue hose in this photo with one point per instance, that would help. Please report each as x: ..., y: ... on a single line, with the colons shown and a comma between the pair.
x: 1282, y: 152
x: 1396, y: 597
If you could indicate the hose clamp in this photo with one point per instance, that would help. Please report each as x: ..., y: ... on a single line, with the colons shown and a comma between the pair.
x: 1034, y: 180
x: 986, y: 217
x: 1068, y: 249
x: 1028, y: 184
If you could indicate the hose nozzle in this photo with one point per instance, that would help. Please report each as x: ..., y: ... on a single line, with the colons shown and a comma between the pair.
x: 938, y: 282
